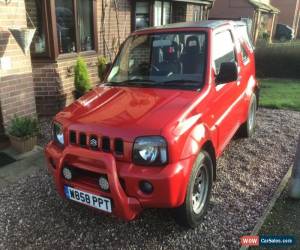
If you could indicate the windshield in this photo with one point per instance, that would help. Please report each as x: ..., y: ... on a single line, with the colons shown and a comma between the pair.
x: 166, y: 59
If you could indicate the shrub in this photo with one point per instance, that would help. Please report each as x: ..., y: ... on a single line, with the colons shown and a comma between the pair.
x: 23, y: 127
x: 82, y: 80
x: 278, y: 61
x: 102, y: 61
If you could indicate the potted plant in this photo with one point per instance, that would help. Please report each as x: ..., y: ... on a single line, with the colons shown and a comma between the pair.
x: 23, y: 133
x: 81, y: 80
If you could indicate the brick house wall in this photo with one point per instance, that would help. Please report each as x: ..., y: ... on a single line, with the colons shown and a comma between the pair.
x: 16, y: 83
x: 232, y: 9
x: 54, y: 82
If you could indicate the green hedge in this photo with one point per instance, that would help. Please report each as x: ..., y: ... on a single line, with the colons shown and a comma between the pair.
x: 280, y: 61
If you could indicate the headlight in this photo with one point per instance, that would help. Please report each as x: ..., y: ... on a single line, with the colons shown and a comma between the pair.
x: 150, y: 150
x: 58, y: 133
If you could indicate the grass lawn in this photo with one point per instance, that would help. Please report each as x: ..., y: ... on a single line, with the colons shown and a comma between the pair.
x: 284, y: 219
x: 280, y: 94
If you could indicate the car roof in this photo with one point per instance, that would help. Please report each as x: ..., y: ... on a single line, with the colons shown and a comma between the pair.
x: 208, y: 24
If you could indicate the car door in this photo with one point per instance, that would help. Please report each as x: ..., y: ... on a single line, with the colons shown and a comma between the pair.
x: 225, y: 108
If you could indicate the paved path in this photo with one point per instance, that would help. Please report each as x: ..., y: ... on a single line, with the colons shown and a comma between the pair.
x: 24, y: 166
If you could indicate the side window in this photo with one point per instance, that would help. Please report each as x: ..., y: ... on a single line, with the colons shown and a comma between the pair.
x: 244, y: 55
x: 224, y: 50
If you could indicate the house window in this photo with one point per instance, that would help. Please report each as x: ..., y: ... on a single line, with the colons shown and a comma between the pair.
x: 67, y: 11
x: 142, y: 17
x: 35, y: 13
x: 198, y: 13
x: 63, y: 26
x: 166, y: 13
x: 162, y: 13
x: 85, y: 21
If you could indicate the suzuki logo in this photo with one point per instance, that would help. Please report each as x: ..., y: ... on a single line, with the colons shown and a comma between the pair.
x: 93, y: 142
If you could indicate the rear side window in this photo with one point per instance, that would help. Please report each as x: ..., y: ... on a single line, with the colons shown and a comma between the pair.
x: 245, y: 55
x: 242, y: 33
x: 223, y: 49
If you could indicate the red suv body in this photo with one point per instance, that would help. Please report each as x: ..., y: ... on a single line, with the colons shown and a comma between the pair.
x: 150, y: 135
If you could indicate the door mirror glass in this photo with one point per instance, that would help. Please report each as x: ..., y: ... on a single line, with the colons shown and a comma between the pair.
x: 228, y: 73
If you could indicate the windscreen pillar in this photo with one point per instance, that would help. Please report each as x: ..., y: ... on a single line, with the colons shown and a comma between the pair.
x: 294, y: 188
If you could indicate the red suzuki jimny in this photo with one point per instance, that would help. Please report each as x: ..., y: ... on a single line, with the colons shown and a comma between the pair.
x: 149, y: 136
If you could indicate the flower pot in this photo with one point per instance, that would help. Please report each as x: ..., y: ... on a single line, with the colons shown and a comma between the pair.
x: 77, y: 94
x: 23, y: 145
x: 23, y: 36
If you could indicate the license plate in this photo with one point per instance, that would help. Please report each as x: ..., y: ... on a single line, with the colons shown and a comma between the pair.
x: 89, y: 199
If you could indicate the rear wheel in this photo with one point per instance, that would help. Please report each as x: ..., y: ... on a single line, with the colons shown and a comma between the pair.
x: 190, y: 213
x: 247, y: 129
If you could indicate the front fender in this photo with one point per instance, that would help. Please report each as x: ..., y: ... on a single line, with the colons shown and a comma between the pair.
x: 199, y: 135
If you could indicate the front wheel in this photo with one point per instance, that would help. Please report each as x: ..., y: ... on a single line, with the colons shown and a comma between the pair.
x: 190, y: 213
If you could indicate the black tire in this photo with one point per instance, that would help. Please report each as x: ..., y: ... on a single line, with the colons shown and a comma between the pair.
x: 247, y: 129
x: 185, y: 215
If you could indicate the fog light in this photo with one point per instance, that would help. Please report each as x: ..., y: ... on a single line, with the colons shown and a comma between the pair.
x: 67, y: 174
x: 146, y: 187
x: 103, y: 183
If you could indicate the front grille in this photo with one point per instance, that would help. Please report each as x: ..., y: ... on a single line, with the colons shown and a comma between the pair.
x: 95, y: 142
x: 82, y: 139
x: 106, y: 144
x: 119, y: 146
x: 73, y: 139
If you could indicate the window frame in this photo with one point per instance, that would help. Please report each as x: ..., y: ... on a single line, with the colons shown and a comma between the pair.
x: 151, y: 12
x: 162, y: 11
x: 233, y: 43
x: 52, y: 46
x: 45, y: 24
x: 134, y: 13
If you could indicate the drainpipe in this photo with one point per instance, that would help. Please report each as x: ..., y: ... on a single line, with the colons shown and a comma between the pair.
x: 294, y: 188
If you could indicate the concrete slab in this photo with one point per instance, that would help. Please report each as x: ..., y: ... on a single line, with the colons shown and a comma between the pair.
x: 16, y: 155
x: 25, y: 165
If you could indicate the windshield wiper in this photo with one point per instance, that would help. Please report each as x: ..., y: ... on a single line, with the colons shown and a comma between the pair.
x: 137, y: 81
x: 181, y: 81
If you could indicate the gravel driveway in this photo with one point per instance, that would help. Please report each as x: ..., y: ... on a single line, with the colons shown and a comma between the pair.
x: 32, y: 215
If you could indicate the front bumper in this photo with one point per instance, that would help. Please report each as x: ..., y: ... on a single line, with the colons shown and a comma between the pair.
x: 169, y: 182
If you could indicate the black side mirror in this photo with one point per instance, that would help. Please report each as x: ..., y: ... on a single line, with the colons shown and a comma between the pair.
x: 228, y: 72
